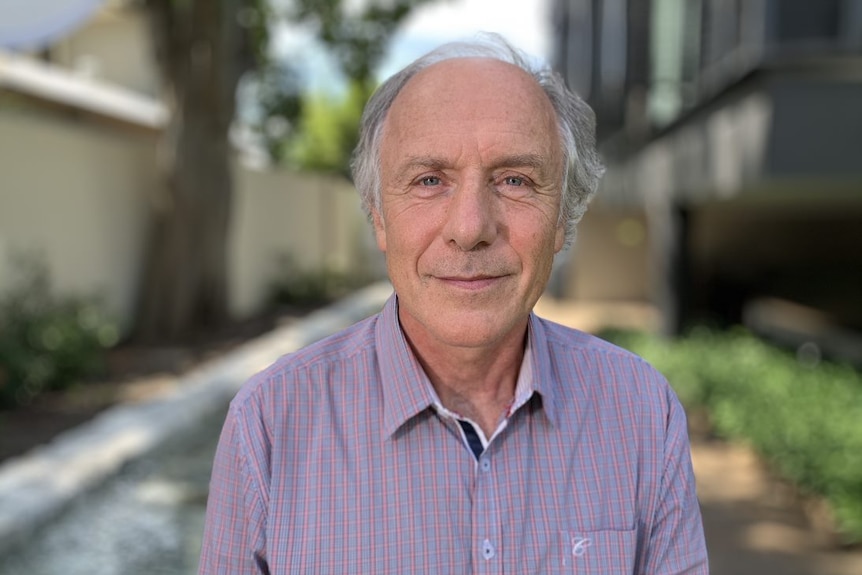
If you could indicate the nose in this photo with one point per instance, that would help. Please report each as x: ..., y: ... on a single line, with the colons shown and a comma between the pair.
x: 471, y: 219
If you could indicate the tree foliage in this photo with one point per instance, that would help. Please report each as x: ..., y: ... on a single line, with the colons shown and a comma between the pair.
x: 277, y: 96
x: 357, y: 36
x: 327, y: 132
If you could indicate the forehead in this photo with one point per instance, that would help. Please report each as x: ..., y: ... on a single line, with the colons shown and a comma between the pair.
x: 472, y: 101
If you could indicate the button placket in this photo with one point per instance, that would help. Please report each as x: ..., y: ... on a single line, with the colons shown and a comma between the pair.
x: 486, y: 516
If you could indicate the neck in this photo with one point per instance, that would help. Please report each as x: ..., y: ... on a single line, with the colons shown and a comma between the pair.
x: 475, y: 382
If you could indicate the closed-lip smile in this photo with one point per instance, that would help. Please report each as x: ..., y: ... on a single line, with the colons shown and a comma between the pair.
x: 476, y: 282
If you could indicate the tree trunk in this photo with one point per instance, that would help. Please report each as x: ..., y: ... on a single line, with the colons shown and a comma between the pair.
x: 198, y: 47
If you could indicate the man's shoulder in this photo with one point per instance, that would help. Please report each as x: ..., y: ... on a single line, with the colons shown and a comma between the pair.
x: 588, y: 357
x: 564, y: 339
x: 334, y: 352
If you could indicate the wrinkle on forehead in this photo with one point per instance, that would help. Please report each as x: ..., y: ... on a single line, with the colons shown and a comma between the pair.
x: 452, y: 81
x: 495, y: 103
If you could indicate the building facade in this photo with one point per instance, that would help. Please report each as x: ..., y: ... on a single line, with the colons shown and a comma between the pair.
x: 732, y: 129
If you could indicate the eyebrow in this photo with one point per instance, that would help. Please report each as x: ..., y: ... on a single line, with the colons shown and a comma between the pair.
x: 536, y: 161
x: 424, y: 162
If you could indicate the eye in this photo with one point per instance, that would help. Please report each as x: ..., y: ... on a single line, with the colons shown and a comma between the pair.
x: 513, y: 184
x: 429, y: 181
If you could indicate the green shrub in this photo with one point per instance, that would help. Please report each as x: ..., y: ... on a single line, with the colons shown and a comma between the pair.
x: 297, y: 286
x: 47, y: 342
x: 803, y: 416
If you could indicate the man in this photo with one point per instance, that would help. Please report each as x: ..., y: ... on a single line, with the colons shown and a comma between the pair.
x: 456, y: 432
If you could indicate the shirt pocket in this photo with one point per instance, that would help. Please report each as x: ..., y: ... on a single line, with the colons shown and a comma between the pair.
x: 608, y: 552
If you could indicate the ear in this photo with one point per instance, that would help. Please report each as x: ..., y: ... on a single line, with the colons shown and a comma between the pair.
x: 559, y: 238
x: 379, y: 229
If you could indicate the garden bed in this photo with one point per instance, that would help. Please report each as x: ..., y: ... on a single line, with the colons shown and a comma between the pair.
x: 801, y: 413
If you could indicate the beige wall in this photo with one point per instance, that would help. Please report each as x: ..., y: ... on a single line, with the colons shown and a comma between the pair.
x: 76, y: 192
x: 610, y: 258
x: 315, y: 220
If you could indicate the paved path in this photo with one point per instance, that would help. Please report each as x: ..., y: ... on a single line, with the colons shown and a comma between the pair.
x: 753, y: 522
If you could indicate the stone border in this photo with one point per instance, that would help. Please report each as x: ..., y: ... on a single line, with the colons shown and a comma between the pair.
x: 39, y: 485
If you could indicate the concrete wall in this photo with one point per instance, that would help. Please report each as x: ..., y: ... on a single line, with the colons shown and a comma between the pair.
x: 609, y: 260
x: 314, y: 220
x: 76, y: 192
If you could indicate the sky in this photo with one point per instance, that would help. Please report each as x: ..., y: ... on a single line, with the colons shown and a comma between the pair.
x: 525, y: 23
x: 29, y: 24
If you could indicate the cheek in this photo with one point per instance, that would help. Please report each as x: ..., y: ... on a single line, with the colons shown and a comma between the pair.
x: 411, y: 231
x: 535, y: 236
x: 405, y: 243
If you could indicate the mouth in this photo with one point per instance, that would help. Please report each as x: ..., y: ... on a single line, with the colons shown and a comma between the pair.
x: 471, y: 283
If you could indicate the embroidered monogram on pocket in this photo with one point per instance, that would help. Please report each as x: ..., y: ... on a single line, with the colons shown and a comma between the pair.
x: 607, y: 552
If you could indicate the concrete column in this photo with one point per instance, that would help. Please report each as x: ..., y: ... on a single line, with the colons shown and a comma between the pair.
x: 669, y: 228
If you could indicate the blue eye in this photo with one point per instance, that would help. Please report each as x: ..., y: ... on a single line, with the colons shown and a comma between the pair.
x: 513, y: 181
x: 430, y: 181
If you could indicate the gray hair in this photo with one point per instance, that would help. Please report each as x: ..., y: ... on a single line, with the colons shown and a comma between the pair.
x: 575, y: 120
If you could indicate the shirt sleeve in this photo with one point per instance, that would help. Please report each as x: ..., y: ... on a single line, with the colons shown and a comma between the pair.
x: 234, y: 539
x: 676, y: 543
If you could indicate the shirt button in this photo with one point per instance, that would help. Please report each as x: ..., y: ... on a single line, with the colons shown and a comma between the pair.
x: 485, y: 464
x: 487, y: 550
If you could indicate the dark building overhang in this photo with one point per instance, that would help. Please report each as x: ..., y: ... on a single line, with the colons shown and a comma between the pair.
x: 779, y: 132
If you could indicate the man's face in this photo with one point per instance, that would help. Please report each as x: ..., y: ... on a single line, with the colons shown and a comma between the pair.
x: 471, y: 172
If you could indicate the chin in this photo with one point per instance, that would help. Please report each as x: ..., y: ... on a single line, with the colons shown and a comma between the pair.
x: 471, y: 330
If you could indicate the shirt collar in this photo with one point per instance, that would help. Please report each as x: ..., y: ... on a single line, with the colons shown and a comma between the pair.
x: 544, y: 382
x: 406, y: 388
x: 407, y: 391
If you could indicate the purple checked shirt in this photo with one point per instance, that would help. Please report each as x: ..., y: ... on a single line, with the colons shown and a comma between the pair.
x: 336, y: 460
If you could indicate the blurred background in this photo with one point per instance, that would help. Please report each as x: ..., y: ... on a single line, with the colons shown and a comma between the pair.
x: 173, y: 175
